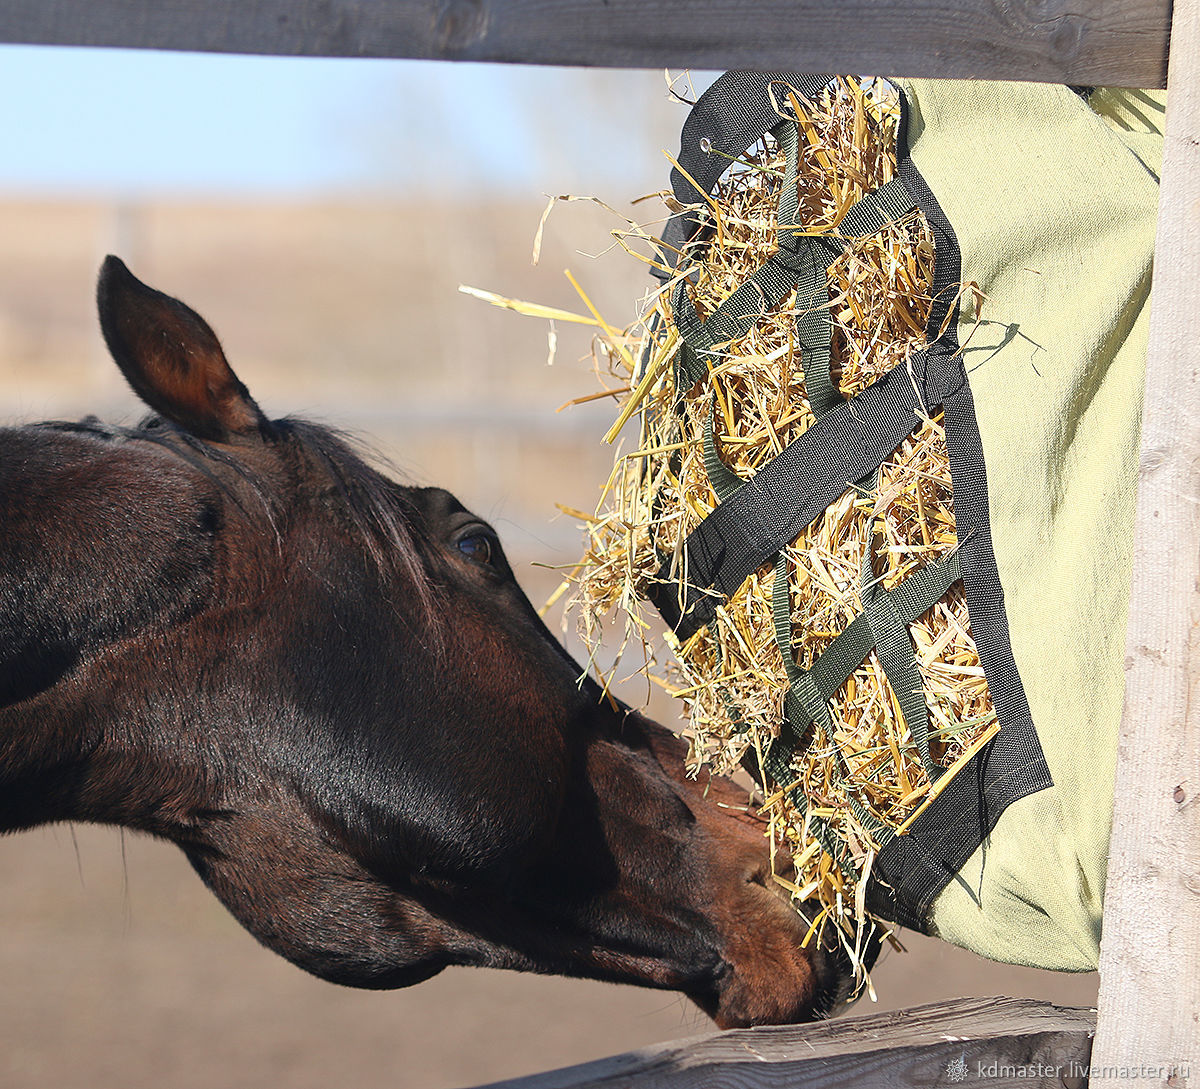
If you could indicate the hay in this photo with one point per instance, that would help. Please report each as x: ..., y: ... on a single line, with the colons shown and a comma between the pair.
x: 731, y: 675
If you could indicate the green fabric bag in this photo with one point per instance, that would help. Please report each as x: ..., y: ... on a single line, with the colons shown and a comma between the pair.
x: 1054, y: 200
x: 1044, y: 198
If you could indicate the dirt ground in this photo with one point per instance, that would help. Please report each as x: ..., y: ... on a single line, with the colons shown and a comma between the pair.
x: 120, y: 969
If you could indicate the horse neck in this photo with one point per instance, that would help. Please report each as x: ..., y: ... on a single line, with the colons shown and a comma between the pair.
x: 99, y: 546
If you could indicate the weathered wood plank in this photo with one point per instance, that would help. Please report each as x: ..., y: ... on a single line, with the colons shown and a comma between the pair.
x: 1118, y: 42
x: 1150, y: 955
x: 978, y: 1042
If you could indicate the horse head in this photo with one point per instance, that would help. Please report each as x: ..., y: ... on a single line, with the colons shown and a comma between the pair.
x: 329, y: 691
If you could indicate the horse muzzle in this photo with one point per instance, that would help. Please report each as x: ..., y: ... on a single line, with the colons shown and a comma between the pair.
x: 767, y: 973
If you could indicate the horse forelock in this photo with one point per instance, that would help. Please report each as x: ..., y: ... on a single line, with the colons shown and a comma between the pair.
x: 381, y: 512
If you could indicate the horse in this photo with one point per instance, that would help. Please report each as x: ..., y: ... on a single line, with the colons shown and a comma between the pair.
x: 327, y: 689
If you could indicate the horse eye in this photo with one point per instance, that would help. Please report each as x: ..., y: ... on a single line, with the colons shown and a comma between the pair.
x: 477, y: 547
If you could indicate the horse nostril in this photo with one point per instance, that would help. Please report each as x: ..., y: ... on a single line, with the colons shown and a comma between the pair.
x: 762, y: 873
x: 761, y: 876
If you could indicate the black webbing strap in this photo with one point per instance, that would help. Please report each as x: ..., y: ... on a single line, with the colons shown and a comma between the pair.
x: 894, y: 647
x: 723, y: 479
x: 800, y: 264
x: 807, y: 258
x: 729, y: 118
x: 814, y: 328
x: 891, y: 201
x: 771, y: 508
x: 817, y: 685
x: 805, y: 705
x: 770, y: 284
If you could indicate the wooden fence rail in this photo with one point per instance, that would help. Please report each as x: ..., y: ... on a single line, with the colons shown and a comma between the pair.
x: 1116, y: 42
x: 981, y: 1042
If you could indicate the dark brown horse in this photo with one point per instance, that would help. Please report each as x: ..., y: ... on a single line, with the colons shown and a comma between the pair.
x: 328, y: 690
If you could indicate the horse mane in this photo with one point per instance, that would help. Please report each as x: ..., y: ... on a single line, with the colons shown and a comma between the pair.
x: 381, y: 514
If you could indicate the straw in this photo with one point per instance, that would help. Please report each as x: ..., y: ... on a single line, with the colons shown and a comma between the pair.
x: 730, y: 676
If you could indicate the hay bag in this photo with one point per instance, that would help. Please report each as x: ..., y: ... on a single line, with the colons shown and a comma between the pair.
x: 887, y: 401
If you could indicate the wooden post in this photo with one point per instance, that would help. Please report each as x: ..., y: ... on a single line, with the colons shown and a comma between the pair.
x: 1149, y: 1017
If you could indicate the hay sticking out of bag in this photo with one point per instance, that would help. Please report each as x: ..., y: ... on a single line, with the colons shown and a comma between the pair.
x: 731, y: 673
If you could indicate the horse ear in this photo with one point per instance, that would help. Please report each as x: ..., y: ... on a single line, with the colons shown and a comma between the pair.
x: 171, y: 357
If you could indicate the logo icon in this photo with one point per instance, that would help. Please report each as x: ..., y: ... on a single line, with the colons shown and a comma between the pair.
x: 956, y: 1069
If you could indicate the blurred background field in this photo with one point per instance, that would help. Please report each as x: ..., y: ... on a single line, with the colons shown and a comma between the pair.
x: 330, y: 270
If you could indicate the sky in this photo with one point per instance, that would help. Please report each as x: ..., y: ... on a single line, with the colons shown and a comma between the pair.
x: 133, y: 123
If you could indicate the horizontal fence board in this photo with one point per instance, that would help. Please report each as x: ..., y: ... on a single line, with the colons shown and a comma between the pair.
x: 1115, y: 42
x: 978, y: 1042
